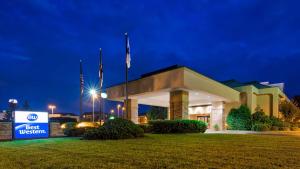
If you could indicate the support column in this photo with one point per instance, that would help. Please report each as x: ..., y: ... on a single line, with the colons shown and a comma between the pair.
x: 217, y: 114
x: 179, y: 104
x: 168, y: 115
x: 275, y: 105
x: 132, y: 112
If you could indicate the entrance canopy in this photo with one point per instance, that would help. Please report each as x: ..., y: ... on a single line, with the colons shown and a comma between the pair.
x: 154, y: 88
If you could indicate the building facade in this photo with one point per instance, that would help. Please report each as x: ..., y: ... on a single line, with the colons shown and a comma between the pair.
x: 189, y: 95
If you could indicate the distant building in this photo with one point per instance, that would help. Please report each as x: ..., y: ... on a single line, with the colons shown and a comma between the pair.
x: 88, y: 116
x: 69, y: 115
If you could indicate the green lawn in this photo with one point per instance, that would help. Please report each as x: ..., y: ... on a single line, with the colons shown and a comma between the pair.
x: 155, y: 151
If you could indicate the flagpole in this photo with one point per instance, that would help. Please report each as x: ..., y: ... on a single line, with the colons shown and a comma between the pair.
x: 100, y: 85
x: 126, y: 78
x: 81, y: 88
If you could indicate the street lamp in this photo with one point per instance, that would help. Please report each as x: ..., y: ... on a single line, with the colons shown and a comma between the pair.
x: 93, y: 93
x: 123, y: 109
x: 103, y: 95
x: 52, y: 107
x: 12, y: 106
x: 119, y: 106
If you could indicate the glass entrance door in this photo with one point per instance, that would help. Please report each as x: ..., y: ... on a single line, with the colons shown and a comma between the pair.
x: 205, y: 118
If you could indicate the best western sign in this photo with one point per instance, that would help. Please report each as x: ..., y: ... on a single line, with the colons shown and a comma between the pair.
x: 29, y: 124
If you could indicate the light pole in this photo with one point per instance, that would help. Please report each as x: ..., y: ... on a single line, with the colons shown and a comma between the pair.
x: 123, y: 109
x: 93, y: 93
x: 119, y: 106
x: 52, y: 107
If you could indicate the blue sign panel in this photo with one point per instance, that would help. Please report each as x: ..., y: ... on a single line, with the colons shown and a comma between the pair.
x: 31, y: 125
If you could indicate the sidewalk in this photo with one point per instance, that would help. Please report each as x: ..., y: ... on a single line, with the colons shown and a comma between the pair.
x: 293, y: 133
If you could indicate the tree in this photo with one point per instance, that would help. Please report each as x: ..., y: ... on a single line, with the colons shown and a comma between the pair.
x: 289, y: 111
x: 3, y: 116
x: 157, y: 113
x: 26, y: 105
x: 296, y: 101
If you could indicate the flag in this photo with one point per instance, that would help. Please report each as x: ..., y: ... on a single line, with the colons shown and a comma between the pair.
x: 81, y: 79
x: 101, y: 70
x: 128, y: 59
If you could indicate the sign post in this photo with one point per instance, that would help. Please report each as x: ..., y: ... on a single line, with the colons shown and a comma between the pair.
x: 30, y: 125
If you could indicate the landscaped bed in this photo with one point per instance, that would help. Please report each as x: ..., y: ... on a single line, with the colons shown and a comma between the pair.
x: 155, y: 151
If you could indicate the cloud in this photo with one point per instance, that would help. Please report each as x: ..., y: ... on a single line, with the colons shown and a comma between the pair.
x: 13, y: 56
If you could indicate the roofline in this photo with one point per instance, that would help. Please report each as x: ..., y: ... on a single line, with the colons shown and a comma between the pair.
x: 210, y: 78
x: 145, y: 75
x: 170, y: 68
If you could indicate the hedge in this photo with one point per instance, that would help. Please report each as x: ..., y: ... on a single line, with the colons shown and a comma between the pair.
x: 71, y: 130
x: 145, y: 127
x: 115, y: 129
x: 260, y: 127
x: 178, y: 126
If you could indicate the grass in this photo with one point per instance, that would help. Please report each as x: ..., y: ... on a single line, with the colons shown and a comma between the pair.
x: 155, y: 151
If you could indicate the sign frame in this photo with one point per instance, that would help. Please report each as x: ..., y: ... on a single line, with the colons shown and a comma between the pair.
x: 30, y: 125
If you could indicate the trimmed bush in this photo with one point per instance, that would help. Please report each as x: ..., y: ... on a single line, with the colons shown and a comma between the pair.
x: 70, y: 125
x: 239, y: 119
x: 75, y: 132
x: 71, y: 130
x: 260, y: 127
x: 178, y: 126
x: 115, y: 129
x: 145, y: 127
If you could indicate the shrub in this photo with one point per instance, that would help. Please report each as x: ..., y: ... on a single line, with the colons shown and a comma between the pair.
x: 178, y: 126
x: 274, y: 128
x: 260, y: 127
x: 239, y: 119
x: 295, y: 129
x: 260, y: 117
x: 69, y: 125
x: 216, y: 127
x: 284, y: 128
x: 145, y: 127
x: 115, y: 129
x: 71, y: 130
x: 75, y: 132
x: 275, y: 122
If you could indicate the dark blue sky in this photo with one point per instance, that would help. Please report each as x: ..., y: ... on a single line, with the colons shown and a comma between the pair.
x: 42, y: 41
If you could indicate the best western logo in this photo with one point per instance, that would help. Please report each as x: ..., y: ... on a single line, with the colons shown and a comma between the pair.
x: 32, y: 117
x: 30, y: 129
